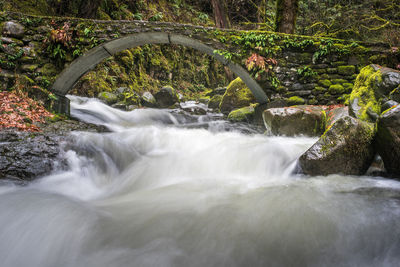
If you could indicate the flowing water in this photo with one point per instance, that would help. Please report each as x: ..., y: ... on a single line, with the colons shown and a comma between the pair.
x: 164, y: 188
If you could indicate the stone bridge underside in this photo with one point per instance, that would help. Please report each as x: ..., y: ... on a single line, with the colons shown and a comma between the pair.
x: 69, y: 76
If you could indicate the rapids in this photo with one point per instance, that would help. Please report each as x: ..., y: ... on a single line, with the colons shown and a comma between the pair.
x: 165, y: 188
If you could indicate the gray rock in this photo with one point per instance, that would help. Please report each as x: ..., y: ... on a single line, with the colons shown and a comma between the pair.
x: 388, y: 140
x: 108, y: 97
x: 148, y: 100
x: 215, y: 101
x: 166, y: 97
x: 298, y: 120
x: 13, y: 29
x: 388, y: 104
x: 119, y: 105
x: 344, y: 148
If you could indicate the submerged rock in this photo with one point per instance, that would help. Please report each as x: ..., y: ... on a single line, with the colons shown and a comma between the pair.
x: 237, y: 95
x: 344, y: 148
x: 297, y: 120
x: 166, y: 97
x: 245, y: 114
x: 388, y: 139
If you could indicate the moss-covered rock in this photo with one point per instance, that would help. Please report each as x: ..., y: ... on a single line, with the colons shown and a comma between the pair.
x: 298, y: 120
x: 215, y: 101
x: 325, y: 83
x: 346, y: 70
x: 166, y: 97
x: 363, y: 98
x: 242, y: 114
x: 237, y: 95
x: 348, y: 87
x: 147, y: 99
x: 336, y: 89
x: 338, y: 81
x: 108, y: 97
x: 295, y: 100
x: 344, y: 148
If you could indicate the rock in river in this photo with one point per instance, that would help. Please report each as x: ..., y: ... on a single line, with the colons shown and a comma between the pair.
x: 344, y: 148
x: 297, y: 120
x: 388, y: 139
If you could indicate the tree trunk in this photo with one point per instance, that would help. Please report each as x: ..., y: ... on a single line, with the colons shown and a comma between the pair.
x: 88, y: 8
x: 286, y: 13
x: 220, y: 13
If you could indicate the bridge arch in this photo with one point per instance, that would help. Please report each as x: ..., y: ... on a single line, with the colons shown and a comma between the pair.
x: 70, y: 75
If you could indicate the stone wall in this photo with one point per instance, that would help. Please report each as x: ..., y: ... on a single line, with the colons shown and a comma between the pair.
x: 310, y: 70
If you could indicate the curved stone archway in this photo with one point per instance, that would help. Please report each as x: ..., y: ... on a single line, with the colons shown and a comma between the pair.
x: 69, y: 76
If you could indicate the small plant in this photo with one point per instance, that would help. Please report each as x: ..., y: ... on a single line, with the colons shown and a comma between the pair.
x: 323, y: 50
x: 203, y: 17
x: 156, y: 17
x: 138, y: 16
x: 306, y: 73
x: 258, y: 65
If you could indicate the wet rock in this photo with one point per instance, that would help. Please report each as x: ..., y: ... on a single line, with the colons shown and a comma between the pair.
x: 148, y: 100
x: 298, y: 120
x: 217, y: 91
x: 119, y: 105
x: 245, y: 114
x: 377, y: 192
x: 214, y: 102
x: 166, y: 97
x: 373, y: 84
x: 388, y: 139
x: 108, y: 97
x: 389, y: 104
x: 26, y: 156
x: 336, y: 113
x: 13, y: 29
x: 237, y: 95
x: 344, y: 148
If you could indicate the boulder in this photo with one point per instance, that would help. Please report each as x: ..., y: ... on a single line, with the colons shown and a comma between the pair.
x: 108, y: 97
x: 297, y: 120
x: 242, y: 114
x: 148, y: 100
x: 237, y: 95
x: 166, y: 97
x: 215, y: 101
x: 388, y: 139
x: 373, y: 84
x: 334, y: 113
x: 13, y: 29
x: 217, y: 91
x: 344, y: 148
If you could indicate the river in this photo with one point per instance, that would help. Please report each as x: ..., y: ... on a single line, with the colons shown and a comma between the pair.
x: 169, y: 189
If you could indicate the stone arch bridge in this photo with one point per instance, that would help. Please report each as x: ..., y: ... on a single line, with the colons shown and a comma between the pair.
x: 24, y: 38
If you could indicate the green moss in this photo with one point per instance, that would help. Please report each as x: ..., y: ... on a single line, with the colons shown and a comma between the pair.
x: 237, y: 95
x: 295, y: 100
x: 325, y: 83
x: 338, y: 63
x: 338, y: 81
x: 348, y: 87
x: 336, y: 89
x: 331, y: 70
x: 242, y: 114
x: 313, y: 101
x: 49, y: 70
x: 319, y: 89
x: 363, y: 90
x: 346, y: 70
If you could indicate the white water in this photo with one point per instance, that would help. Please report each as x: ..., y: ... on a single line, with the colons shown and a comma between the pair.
x: 155, y: 193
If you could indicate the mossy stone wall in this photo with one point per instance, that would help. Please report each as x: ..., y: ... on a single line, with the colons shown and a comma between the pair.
x: 317, y: 70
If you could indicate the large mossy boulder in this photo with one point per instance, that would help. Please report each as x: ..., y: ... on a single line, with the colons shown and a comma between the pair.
x: 245, y: 114
x: 346, y: 148
x: 237, y: 95
x: 297, y: 120
x: 166, y: 97
x: 373, y: 84
x: 388, y: 139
